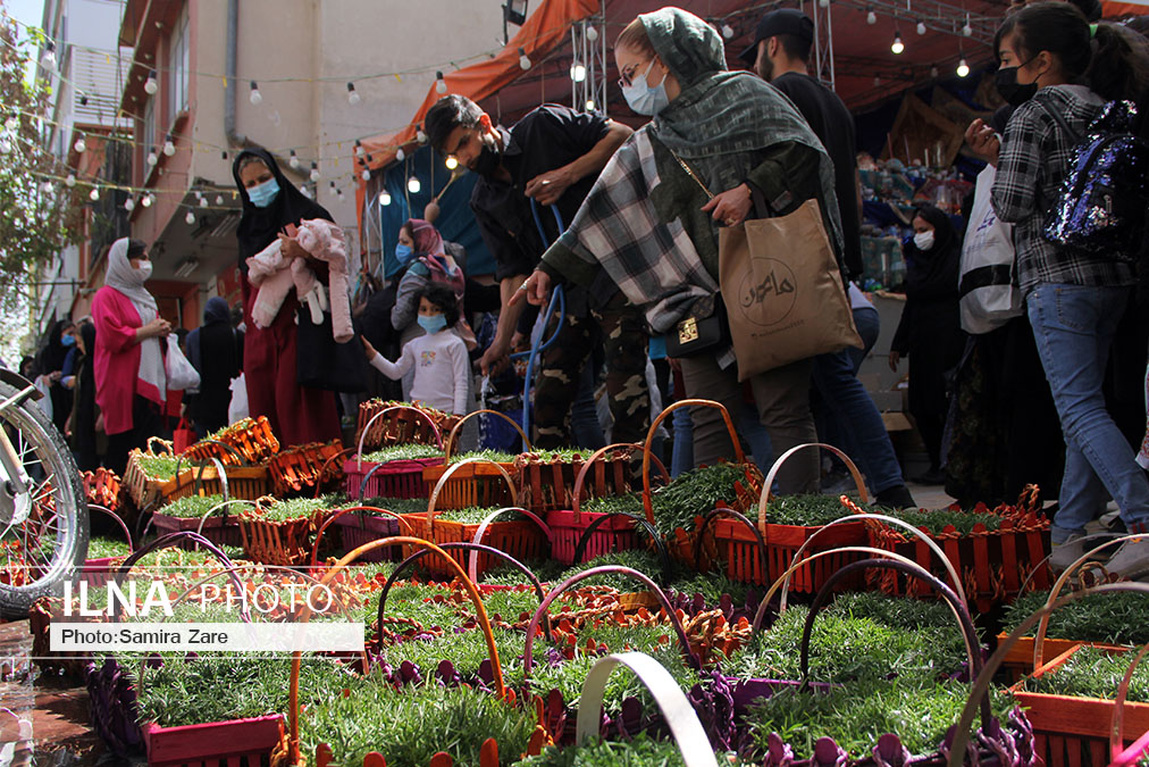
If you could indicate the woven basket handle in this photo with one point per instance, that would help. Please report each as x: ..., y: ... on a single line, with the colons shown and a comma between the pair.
x: 627, y: 448
x: 676, y: 709
x: 339, y: 513
x: 163, y: 443
x: 326, y: 464
x: 473, y: 560
x: 1117, y: 750
x: 119, y: 521
x: 768, y: 495
x: 453, y: 437
x: 226, y: 506
x: 468, y: 584
x: 739, y: 456
x: 173, y: 539
x: 367, y: 427
x: 447, y: 475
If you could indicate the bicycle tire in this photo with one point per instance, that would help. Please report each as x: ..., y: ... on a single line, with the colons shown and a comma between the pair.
x: 58, y: 487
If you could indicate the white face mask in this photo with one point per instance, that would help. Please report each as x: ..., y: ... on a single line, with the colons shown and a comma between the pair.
x: 924, y: 240
x: 144, y: 271
x: 645, y: 99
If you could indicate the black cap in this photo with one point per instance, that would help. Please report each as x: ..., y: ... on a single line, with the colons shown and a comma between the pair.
x: 785, y: 21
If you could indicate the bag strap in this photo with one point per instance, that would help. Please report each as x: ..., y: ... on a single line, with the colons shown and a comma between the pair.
x: 1061, y: 121
x: 690, y: 172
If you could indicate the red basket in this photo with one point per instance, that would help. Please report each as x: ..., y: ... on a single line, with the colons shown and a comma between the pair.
x: 304, y: 468
x: 278, y: 542
x: 242, y: 482
x: 383, y: 423
x: 394, y: 479
x: 227, y: 743
x: 616, y: 533
x: 223, y: 530
x: 479, y: 484
x: 358, y: 529
x: 993, y: 565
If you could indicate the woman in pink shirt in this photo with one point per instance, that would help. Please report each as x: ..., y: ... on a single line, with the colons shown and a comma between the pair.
x: 131, y: 384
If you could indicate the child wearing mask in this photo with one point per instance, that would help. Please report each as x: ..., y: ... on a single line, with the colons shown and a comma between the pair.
x: 439, y: 358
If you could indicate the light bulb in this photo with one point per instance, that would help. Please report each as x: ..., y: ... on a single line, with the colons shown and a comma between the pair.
x: 358, y: 148
x: 824, y: 3
x: 365, y: 175
x: 190, y: 218
x: 966, y: 29
x: 400, y: 155
x: 524, y: 61
x: 871, y: 18
x: 933, y: 71
x: 147, y: 201
x: 877, y: 82
x: 129, y: 204
x: 150, y: 85
x: 384, y: 197
x: 590, y: 105
x: 203, y: 202
x: 303, y: 190
x: 169, y: 148
x: 49, y: 60
x: 256, y: 97
x: 591, y: 33
x: 921, y: 27
x: 451, y: 162
x: 352, y: 94
x: 420, y: 136
x: 153, y: 158
x: 963, y: 69
x: 94, y: 194
x: 293, y: 161
x: 219, y: 199
x: 314, y: 171
x: 80, y: 146
x: 578, y: 72
x: 897, y: 46
x: 70, y: 181
x: 727, y: 31
x: 440, y: 84
x: 413, y: 185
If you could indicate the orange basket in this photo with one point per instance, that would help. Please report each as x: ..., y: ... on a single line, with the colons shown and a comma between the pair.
x: 305, y: 468
x: 250, y: 440
x: 480, y: 483
x: 102, y: 488
x: 277, y: 542
x: 404, y: 423
x: 143, y: 489
x: 523, y: 539
x: 597, y: 533
x: 994, y: 565
x: 245, y: 483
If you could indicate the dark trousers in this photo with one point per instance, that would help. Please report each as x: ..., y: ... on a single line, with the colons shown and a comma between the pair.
x: 146, y: 422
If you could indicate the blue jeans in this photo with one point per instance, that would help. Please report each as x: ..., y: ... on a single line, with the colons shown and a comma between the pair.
x: 746, y: 421
x: 862, y: 430
x: 869, y: 326
x: 1074, y: 326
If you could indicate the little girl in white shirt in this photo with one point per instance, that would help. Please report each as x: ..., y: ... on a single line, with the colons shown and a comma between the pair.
x: 439, y: 358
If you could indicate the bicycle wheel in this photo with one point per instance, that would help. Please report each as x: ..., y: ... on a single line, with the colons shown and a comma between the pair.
x: 44, y: 532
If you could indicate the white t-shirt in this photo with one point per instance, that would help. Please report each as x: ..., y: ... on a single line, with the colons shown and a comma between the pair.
x: 441, y: 368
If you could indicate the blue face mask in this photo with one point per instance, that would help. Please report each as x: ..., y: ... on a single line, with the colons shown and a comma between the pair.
x: 644, y: 99
x: 68, y: 340
x: 404, y: 253
x: 261, y: 195
x: 433, y: 323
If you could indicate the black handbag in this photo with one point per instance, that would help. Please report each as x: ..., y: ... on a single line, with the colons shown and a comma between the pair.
x: 696, y: 335
x: 321, y: 362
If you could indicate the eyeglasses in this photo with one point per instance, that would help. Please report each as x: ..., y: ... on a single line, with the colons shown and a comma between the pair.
x: 626, y: 78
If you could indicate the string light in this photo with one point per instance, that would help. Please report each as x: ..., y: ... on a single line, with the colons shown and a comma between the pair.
x: 440, y: 84
x: 190, y: 218
x: 413, y: 185
x: 358, y: 148
x: 314, y: 171
x: 963, y: 69
x: 94, y: 195
x: 420, y: 136
x: 384, y: 198
x: 150, y: 85
x: 591, y: 33
x: 305, y: 191
x: 921, y: 27
x: 578, y: 72
x: 933, y: 71
x: 590, y: 105
x: 169, y: 147
x: 727, y: 31
x: 877, y: 82
x: 148, y: 200
x: 293, y: 161
x: 219, y: 199
x: 871, y: 17
x: 824, y: 3
x: 451, y: 162
x: 366, y: 174
x: 49, y: 60
x: 966, y: 30
x: 80, y: 144
x: 352, y: 94
x: 897, y: 46
x: 203, y: 202
x: 70, y: 181
x: 524, y: 60
x: 256, y: 97
x: 153, y: 158
x: 130, y: 204
x: 400, y: 155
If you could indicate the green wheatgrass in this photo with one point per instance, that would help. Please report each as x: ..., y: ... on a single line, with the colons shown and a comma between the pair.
x: 1111, y: 618
x: 1093, y: 673
x: 408, y: 452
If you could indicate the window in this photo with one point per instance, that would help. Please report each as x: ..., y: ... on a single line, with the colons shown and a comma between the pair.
x: 178, y: 66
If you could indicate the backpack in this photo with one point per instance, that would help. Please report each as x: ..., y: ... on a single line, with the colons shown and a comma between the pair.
x: 1101, y: 207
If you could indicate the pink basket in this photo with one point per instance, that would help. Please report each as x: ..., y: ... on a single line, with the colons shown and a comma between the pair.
x: 358, y: 529
x: 224, y: 742
x: 215, y: 528
x: 394, y: 479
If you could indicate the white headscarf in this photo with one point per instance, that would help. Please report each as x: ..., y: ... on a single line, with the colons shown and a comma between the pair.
x: 130, y: 281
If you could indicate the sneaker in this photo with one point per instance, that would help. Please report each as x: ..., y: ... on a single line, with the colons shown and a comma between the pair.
x: 1066, y: 553
x: 1131, y: 560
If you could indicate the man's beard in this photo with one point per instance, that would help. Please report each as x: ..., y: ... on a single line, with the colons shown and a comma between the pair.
x: 488, y: 160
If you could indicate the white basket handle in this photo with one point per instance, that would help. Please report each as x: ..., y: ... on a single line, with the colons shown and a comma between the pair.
x: 675, y: 708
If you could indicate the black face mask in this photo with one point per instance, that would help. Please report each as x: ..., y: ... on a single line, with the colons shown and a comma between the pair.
x: 1010, y: 89
x: 488, y: 160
